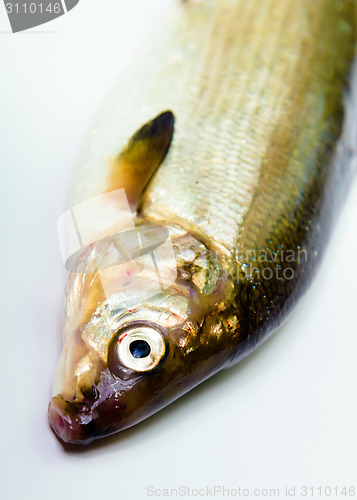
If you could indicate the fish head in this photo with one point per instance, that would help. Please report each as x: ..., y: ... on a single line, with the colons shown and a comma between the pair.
x: 143, y: 343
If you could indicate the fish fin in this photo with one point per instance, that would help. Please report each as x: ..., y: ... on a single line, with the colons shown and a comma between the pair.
x: 145, y: 151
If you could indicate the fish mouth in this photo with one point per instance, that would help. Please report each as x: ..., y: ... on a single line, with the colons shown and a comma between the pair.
x: 72, y: 422
x: 81, y: 423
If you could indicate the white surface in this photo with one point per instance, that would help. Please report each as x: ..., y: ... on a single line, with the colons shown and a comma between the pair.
x: 285, y: 416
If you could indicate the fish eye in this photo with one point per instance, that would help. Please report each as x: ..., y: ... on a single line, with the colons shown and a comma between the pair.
x: 141, y: 349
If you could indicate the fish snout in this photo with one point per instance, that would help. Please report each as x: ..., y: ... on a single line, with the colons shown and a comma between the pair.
x: 81, y: 423
x: 72, y: 422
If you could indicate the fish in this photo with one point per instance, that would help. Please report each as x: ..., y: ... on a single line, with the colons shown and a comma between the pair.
x: 203, y: 200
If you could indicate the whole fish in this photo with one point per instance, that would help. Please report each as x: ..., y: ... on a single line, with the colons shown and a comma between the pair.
x: 203, y: 201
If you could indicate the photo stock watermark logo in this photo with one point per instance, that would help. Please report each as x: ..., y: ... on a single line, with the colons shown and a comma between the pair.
x: 26, y: 14
x: 99, y: 237
x: 267, y: 264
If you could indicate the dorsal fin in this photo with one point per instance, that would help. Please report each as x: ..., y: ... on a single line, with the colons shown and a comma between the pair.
x: 143, y: 154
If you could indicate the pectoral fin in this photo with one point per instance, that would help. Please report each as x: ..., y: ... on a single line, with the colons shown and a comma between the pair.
x: 143, y: 154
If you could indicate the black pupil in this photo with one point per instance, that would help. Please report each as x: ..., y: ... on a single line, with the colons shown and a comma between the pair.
x: 140, y: 349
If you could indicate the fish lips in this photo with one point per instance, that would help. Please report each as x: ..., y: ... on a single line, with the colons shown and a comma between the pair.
x: 81, y: 423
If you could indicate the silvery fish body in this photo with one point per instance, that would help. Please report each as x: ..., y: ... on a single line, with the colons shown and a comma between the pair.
x: 202, y: 204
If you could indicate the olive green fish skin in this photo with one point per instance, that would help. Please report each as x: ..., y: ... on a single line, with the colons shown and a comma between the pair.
x: 250, y: 187
x: 264, y: 186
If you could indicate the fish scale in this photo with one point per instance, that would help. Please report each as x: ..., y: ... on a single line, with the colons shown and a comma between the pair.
x: 222, y: 97
x: 233, y: 134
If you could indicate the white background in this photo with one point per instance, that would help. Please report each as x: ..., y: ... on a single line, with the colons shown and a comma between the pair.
x: 285, y: 416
